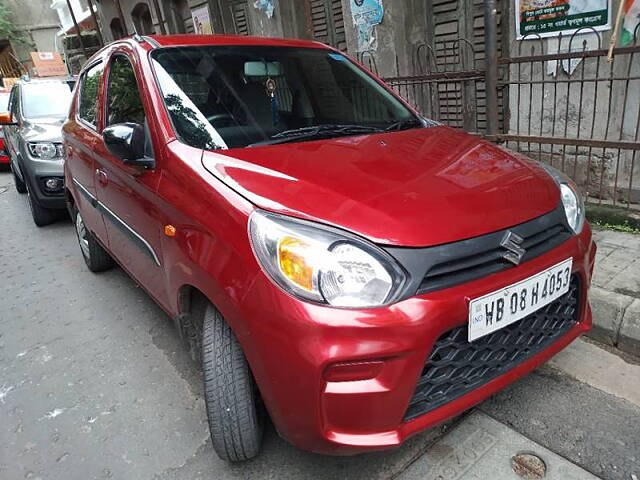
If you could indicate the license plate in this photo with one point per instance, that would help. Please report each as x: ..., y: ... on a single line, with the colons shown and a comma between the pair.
x: 503, y: 307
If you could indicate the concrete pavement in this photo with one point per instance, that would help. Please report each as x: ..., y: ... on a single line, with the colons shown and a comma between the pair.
x: 615, y: 295
x: 482, y: 448
x: 94, y: 383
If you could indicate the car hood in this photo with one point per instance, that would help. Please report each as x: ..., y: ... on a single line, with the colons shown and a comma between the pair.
x: 43, y: 130
x: 418, y: 187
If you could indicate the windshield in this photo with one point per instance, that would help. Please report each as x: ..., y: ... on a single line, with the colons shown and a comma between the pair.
x: 46, y: 99
x: 238, y: 96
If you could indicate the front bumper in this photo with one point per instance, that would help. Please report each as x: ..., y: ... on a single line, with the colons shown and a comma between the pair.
x: 36, y: 172
x: 292, y: 344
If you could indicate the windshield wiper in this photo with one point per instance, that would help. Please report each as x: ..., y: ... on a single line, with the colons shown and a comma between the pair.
x: 305, y: 133
x: 404, y: 124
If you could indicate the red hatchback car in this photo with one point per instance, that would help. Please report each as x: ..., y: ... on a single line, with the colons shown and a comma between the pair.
x: 336, y: 261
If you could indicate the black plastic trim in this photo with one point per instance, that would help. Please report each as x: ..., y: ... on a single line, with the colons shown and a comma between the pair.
x: 134, y: 236
x: 434, y: 268
x: 456, y: 366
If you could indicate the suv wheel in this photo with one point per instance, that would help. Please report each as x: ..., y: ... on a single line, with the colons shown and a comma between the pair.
x: 231, y: 397
x: 20, y: 186
x: 96, y: 257
x: 41, y: 216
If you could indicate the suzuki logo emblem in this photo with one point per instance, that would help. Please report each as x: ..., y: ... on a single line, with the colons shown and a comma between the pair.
x: 512, y: 242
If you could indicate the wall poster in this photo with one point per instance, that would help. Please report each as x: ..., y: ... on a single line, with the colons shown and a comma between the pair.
x: 201, y: 21
x: 366, y: 15
x: 547, y: 18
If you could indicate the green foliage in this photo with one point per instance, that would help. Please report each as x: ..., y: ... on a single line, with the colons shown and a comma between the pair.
x: 89, y: 97
x: 8, y: 30
x: 125, y: 104
x: 621, y: 227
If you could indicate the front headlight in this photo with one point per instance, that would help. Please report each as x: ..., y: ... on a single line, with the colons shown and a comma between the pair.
x: 571, y: 199
x: 323, y: 264
x: 46, y: 150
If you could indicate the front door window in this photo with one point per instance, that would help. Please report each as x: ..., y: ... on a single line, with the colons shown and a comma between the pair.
x: 123, y: 96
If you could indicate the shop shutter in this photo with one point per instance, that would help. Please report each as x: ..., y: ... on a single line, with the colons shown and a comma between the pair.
x: 326, y: 20
x: 454, y: 20
x: 240, y: 18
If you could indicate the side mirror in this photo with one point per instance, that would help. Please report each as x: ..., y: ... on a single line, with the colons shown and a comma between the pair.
x: 7, y: 119
x: 126, y: 142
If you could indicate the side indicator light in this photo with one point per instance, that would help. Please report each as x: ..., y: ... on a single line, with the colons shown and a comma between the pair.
x: 170, y: 230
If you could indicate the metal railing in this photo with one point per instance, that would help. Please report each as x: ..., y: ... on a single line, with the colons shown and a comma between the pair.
x: 570, y: 107
x: 578, y: 112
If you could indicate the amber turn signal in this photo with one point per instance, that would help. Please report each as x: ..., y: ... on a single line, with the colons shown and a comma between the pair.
x: 170, y: 230
x: 291, y: 260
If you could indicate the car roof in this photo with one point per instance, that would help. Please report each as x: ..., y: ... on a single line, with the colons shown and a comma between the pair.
x: 212, y: 40
x: 38, y: 80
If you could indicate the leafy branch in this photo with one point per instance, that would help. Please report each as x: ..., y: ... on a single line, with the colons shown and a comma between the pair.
x: 8, y: 29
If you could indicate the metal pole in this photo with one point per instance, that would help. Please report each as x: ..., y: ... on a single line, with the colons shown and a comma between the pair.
x: 121, y: 17
x: 491, y: 65
x: 95, y: 20
x: 159, y: 15
x: 616, y: 30
x: 75, y: 22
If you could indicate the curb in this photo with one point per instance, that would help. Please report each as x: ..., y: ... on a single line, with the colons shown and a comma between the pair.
x: 616, y: 320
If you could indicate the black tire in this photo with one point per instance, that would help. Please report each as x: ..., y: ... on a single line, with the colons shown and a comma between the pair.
x: 96, y: 257
x: 41, y: 216
x: 20, y: 186
x: 235, y: 418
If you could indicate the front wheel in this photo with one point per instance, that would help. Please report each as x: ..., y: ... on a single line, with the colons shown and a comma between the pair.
x: 96, y: 257
x: 231, y: 397
x: 41, y: 216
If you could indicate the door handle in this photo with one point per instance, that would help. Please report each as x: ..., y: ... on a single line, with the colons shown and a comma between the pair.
x: 103, y: 178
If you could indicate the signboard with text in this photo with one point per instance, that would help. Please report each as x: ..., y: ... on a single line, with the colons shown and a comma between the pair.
x: 48, y: 64
x: 549, y: 18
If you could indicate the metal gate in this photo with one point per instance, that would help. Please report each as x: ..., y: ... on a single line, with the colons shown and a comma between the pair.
x: 570, y: 107
x: 579, y: 112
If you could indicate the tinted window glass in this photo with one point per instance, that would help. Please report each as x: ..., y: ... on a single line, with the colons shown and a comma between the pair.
x: 123, y: 96
x: 250, y: 94
x: 13, y: 102
x: 46, y: 99
x: 89, y: 94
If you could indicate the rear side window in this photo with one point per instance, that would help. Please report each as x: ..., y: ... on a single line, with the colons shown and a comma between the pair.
x: 89, y: 87
x: 124, y: 103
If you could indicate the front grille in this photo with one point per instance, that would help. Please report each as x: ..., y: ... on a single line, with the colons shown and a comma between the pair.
x: 456, y: 367
x: 478, y: 257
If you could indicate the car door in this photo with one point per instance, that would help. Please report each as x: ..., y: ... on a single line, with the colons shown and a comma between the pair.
x: 82, y: 141
x: 127, y: 194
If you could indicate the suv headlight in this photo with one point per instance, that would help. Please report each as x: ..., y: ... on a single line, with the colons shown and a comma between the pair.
x: 324, y: 264
x: 571, y: 199
x: 46, y: 150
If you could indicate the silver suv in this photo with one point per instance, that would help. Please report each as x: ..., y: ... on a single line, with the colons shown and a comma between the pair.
x: 38, y: 108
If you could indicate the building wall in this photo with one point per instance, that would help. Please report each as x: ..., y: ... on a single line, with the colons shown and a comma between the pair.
x: 40, y: 24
